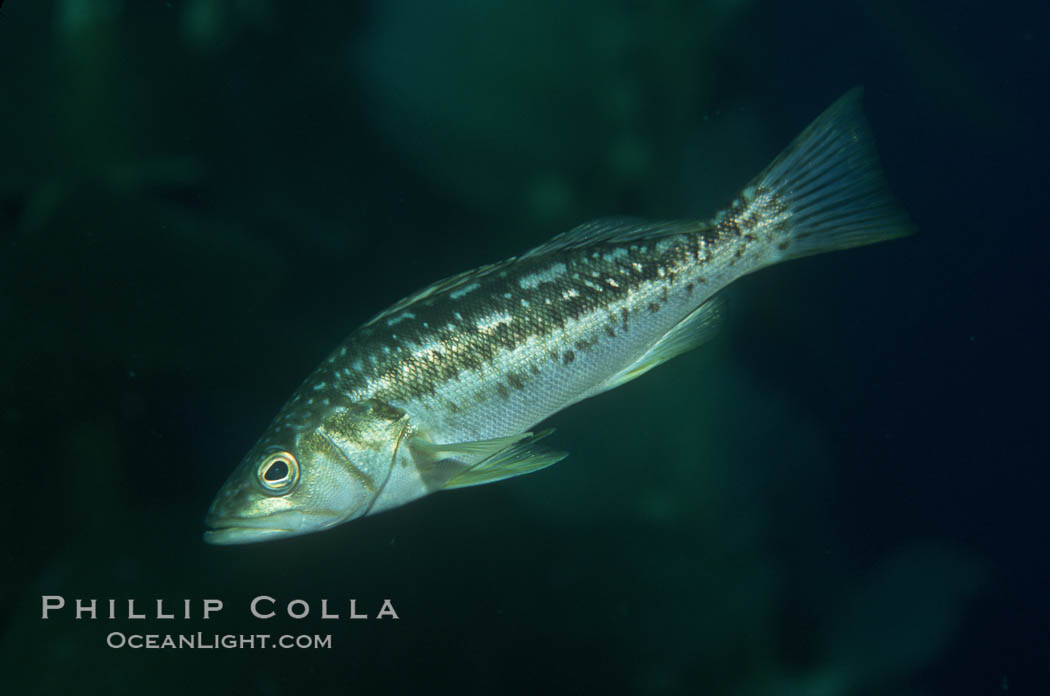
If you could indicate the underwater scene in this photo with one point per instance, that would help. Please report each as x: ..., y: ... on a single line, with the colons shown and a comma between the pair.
x: 334, y: 344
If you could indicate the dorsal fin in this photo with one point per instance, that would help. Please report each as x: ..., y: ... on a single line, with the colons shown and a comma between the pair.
x: 615, y: 230
x: 449, y: 284
x: 612, y: 230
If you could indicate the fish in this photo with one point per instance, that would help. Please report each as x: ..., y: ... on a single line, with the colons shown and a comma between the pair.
x: 444, y: 389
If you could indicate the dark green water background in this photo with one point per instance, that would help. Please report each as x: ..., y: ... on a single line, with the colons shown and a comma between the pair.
x: 843, y: 495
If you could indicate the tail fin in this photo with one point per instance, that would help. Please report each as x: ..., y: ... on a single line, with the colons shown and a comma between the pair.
x: 826, y: 189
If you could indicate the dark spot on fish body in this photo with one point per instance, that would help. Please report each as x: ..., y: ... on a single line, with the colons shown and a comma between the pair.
x: 502, y: 390
x: 506, y: 337
x: 784, y: 245
x: 730, y: 228
x: 515, y: 380
x: 694, y: 245
x: 610, y: 330
x: 690, y: 287
x: 654, y: 307
x: 573, y: 311
x: 468, y: 358
x: 626, y: 314
x: 569, y: 357
x: 550, y: 315
x: 711, y: 235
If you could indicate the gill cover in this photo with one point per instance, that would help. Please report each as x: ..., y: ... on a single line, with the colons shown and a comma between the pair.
x: 361, y: 440
x: 329, y: 473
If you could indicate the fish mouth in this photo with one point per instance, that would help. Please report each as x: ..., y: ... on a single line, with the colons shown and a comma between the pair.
x: 246, y: 530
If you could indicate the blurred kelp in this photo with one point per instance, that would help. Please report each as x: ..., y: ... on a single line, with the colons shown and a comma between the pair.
x: 541, y: 111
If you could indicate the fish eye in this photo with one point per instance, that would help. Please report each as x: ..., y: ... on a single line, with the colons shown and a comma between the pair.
x: 278, y: 473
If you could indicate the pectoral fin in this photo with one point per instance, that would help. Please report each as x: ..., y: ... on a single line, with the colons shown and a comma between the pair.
x: 519, y: 457
x: 697, y: 328
x: 466, y: 451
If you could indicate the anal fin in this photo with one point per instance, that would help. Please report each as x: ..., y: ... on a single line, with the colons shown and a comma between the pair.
x: 466, y: 451
x: 698, y: 327
x: 520, y: 457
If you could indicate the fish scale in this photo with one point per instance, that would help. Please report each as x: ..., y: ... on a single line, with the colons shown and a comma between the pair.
x: 521, y: 348
x: 441, y: 390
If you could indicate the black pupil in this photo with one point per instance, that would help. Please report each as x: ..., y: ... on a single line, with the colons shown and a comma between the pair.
x: 276, y: 471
